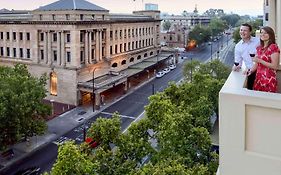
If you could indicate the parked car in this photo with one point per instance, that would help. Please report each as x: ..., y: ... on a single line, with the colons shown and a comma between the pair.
x: 91, y: 142
x: 29, y: 171
x: 172, y: 66
x: 160, y: 74
x: 166, y: 70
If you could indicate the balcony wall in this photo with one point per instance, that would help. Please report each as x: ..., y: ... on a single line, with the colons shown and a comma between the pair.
x: 249, y: 129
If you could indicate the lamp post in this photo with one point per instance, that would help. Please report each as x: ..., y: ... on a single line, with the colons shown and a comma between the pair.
x: 94, y: 96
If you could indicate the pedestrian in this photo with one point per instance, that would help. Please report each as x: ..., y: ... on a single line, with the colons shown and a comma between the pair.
x: 246, y: 46
x: 267, y: 62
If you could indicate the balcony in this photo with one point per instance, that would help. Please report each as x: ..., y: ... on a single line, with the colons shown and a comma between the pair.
x: 249, y: 129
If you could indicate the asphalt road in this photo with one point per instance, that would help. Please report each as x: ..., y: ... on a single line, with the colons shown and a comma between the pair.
x: 130, y: 107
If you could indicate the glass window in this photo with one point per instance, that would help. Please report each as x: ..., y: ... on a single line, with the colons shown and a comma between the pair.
x: 53, y: 83
x: 28, y: 53
x: 68, y: 57
x: 27, y: 36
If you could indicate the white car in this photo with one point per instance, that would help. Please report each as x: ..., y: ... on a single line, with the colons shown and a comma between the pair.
x: 166, y: 70
x: 160, y: 74
x: 172, y: 66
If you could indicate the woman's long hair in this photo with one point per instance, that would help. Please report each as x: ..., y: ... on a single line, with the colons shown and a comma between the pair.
x: 271, y: 34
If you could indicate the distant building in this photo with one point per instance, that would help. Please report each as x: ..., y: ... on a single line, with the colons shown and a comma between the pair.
x: 81, y: 46
x: 149, y: 6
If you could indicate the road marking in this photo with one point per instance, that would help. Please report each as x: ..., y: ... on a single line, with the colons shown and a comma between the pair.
x: 136, y: 119
x: 123, y: 116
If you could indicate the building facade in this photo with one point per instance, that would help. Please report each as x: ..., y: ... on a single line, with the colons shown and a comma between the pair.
x: 82, y: 48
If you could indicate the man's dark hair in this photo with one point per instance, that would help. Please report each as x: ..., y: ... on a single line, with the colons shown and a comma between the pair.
x: 247, y: 25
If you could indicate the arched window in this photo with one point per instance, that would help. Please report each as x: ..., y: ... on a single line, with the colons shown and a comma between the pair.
x: 151, y: 53
x: 145, y: 55
x: 53, y: 84
x: 114, y: 65
x: 139, y: 57
x: 123, y: 62
x: 132, y: 59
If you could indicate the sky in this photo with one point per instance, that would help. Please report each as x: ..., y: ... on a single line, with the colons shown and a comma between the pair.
x: 241, y: 7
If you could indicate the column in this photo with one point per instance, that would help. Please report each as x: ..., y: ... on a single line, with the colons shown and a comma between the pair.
x: 272, y: 14
x: 45, y: 48
x: 97, y: 46
x: 86, y: 46
x: 100, y: 44
x: 49, y: 50
x: 62, y: 56
x: 90, y: 47
x: 59, y: 58
x: 107, y: 43
x: 97, y: 100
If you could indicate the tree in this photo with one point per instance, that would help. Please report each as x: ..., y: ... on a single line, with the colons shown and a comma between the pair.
x: 71, y: 160
x: 166, y: 25
x: 231, y: 19
x: 198, y: 34
x: 217, y: 26
x: 22, y: 112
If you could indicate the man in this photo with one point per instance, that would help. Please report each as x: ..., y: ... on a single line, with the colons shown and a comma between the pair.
x: 246, y: 46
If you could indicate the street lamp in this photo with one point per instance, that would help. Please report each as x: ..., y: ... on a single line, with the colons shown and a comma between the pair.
x: 94, y: 96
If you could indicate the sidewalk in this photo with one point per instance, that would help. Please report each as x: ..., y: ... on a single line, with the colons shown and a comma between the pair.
x: 57, y: 127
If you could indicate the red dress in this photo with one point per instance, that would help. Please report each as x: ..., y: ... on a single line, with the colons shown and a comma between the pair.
x: 266, y: 77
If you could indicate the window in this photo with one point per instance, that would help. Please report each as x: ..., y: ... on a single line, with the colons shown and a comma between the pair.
x: 125, y: 47
x: 41, y: 36
x: 132, y: 59
x: 1, y: 35
x: 145, y: 55
x: 8, y: 36
x: 115, y: 49
x: 28, y: 53
x: 8, y: 51
x: 81, y: 17
x: 133, y: 45
x: 21, y: 52
x: 120, y: 48
x: 151, y: 53
x: 93, y: 17
x: 139, y: 57
x: 129, y: 46
x: 1, y: 51
x: 53, y: 83
x: 54, y: 37
x: 14, y: 35
x: 114, y: 65
x: 102, y: 52
x: 21, y: 36
x: 93, y: 54
x: 54, y: 17
x: 82, y: 56
x: 68, y: 57
x: 81, y: 37
x: 266, y: 17
x: 55, y: 56
x: 111, y: 35
x: 42, y: 54
x: 14, y: 52
x: 40, y: 17
x: 123, y: 62
x: 28, y: 36
x: 111, y: 50
x: 67, y: 16
x: 68, y: 38
x: 120, y: 34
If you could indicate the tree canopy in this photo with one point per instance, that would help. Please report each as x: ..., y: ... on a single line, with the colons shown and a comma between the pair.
x: 172, y: 138
x: 22, y: 112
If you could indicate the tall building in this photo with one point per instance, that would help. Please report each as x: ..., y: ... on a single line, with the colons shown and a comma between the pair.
x: 83, y: 49
x: 249, y: 121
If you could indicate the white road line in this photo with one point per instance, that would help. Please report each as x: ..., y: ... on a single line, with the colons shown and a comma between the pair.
x: 123, y: 116
x: 134, y: 121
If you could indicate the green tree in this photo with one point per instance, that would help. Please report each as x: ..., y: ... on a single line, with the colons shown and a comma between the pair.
x: 22, y: 112
x: 199, y: 34
x: 71, y: 160
x: 166, y: 25
x: 231, y: 19
x: 217, y: 26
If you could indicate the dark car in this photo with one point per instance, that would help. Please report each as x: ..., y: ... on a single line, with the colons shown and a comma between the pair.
x: 29, y: 171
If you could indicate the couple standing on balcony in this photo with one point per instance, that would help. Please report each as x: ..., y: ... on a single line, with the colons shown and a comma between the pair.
x: 261, y: 57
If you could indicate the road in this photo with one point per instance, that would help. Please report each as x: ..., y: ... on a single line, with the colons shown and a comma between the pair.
x: 130, y: 107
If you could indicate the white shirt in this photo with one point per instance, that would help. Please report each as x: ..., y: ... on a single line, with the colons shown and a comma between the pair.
x: 243, y: 49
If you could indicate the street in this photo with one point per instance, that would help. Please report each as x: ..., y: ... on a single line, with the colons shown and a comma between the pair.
x: 129, y: 108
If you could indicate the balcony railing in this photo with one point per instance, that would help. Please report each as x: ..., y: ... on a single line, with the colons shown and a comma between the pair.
x: 249, y: 129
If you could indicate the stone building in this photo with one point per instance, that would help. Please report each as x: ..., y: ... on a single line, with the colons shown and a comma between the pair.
x: 81, y: 47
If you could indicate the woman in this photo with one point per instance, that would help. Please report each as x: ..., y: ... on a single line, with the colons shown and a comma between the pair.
x: 267, y: 62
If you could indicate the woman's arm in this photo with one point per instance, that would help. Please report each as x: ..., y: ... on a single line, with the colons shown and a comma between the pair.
x: 274, y: 61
